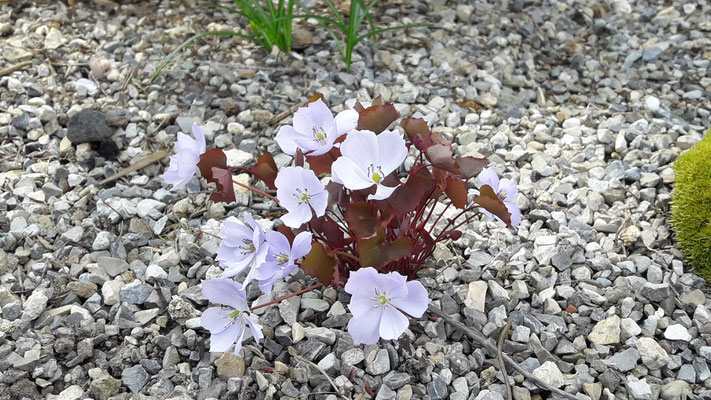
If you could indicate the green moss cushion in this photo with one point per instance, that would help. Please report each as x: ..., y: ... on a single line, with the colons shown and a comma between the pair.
x: 691, y: 205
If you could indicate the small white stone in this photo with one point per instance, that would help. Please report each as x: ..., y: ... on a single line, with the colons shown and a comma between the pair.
x: 155, y: 272
x: 550, y: 374
x: 677, y: 332
x: 476, y: 295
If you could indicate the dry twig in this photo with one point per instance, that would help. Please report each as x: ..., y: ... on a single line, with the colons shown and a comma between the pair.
x: 480, y: 339
x: 16, y: 67
x: 500, y: 357
x: 293, y: 353
x: 140, y: 164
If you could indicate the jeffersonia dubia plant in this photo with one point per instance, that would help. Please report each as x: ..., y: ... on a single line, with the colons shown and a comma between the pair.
x: 368, y: 229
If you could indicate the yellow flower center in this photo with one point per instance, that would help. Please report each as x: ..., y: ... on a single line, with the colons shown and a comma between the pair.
x: 304, y: 196
x: 234, y: 313
x: 376, y: 178
x: 502, y: 196
x: 382, y: 299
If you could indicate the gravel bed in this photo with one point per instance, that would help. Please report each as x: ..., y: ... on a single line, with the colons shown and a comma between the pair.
x: 585, y: 105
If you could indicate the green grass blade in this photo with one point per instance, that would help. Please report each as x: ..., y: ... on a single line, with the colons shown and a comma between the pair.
x: 335, y: 12
x: 194, y: 38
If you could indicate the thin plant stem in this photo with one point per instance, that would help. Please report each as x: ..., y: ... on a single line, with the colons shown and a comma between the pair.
x: 255, y: 190
x: 316, y: 286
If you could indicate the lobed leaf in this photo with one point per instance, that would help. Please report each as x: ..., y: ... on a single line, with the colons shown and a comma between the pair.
x: 319, y: 263
x: 266, y: 169
x: 375, y: 252
x: 493, y: 204
x: 413, y: 193
x: 322, y: 164
x: 377, y: 118
x: 362, y: 218
x: 213, y: 167
x: 456, y: 190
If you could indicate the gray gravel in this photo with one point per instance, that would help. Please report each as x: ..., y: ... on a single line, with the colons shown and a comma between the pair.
x: 584, y: 105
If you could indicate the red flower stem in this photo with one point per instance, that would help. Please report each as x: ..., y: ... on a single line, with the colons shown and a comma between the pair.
x: 434, y: 224
x: 456, y: 226
x: 255, y: 190
x: 316, y: 286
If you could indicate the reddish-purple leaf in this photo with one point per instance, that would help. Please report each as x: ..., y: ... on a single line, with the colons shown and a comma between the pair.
x: 329, y: 229
x: 266, y: 169
x: 225, y: 190
x: 491, y: 203
x: 377, y: 118
x: 456, y: 190
x: 213, y: 158
x: 213, y: 167
x: 375, y: 252
x: 413, y: 193
x: 322, y: 164
x: 319, y: 263
x: 362, y: 218
x: 299, y: 157
x: 336, y: 194
x: 414, y: 127
x: 470, y: 167
x: 288, y: 232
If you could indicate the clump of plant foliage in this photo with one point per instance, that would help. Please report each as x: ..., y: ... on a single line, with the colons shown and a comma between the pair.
x: 691, y: 205
x: 271, y: 26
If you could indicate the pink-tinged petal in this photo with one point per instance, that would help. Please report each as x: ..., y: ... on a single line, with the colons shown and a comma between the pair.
x: 488, y: 176
x: 240, y: 338
x: 515, y: 213
x: 298, y: 216
x: 187, y: 163
x: 319, y: 202
x: 233, y: 232
x: 392, y: 323
x: 286, y: 139
x: 185, y: 142
x: 171, y: 177
x: 255, y: 328
x: 278, y: 242
x: 265, y: 286
x: 346, y: 121
x: 199, y: 134
x: 508, y: 189
x: 302, y: 121
x: 302, y: 245
x: 349, y: 174
x: 362, y: 281
x: 392, y: 151
x: 254, y: 224
x: 366, y: 329
x: 310, y: 181
x: 221, y: 342
x: 415, y: 302
x: 382, y: 192
x: 360, y: 304
x: 392, y: 284
x: 215, y: 319
x: 235, y: 268
x: 225, y: 291
x: 361, y: 147
x: 320, y: 115
x: 310, y: 147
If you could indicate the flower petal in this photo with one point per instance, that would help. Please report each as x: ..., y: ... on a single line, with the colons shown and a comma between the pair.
x: 361, y: 147
x: 361, y: 281
x: 225, y: 291
x: 346, y: 121
x: 360, y: 304
x: 508, y: 189
x: 302, y: 245
x: 255, y: 328
x: 199, y: 134
x: 222, y: 341
x: 392, y: 323
x: 321, y: 116
x: 488, y: 176
x: 319, y: 202
x: 215, y: 319
x: 286, y: 138
x: 393, y: 151
x: 415, y: 302
x: 515, y: 213
x: 298, y: 216
x: 366, y: 329
x: 382, y: 192
x: 240, y: 338
x: 346, y: 172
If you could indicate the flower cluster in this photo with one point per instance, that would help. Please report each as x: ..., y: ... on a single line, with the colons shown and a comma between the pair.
x: 355, y: 218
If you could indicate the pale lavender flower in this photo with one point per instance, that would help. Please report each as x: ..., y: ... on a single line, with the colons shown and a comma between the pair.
x: 227, y: 324
x: 242, y: 246
x: 315, y: 130
x: 507, y: 192
x: 184, y: 164
x: 300, y: 191
x: 367, y: 159
x: 280, y: 260
x: 378, y: 302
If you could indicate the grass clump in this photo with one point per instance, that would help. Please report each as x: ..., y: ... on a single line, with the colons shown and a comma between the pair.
x: 691, y: 205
